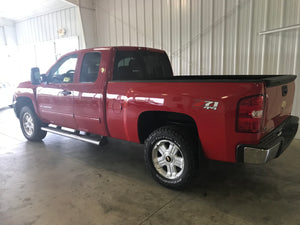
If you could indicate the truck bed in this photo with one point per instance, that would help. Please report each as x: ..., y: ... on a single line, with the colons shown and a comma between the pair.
x: 126, y: 100
x: 269, y: 80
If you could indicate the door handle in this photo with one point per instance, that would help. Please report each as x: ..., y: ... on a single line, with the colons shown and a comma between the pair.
x: 66, y: 92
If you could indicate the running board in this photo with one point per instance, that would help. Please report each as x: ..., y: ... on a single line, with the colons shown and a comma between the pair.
x: 71, y: 135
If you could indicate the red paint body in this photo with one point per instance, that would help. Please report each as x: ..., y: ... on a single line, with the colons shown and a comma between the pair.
x: 112, y: 108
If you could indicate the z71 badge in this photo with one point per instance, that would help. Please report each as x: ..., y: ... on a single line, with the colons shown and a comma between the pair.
x: 206, y: 104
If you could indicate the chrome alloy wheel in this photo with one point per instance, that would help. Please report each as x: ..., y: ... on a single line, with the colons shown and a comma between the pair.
x: 28, y: 124
x: 168, y: 159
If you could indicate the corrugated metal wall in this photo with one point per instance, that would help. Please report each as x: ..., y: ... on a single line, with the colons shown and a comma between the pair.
x: 208, y: 36
x: 44, y: 28
x: 2, y: 36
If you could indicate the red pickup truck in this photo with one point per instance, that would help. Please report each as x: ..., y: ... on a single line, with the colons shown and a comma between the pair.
x: 130, y: 93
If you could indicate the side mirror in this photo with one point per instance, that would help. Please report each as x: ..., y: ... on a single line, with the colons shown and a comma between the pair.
x: 35, y: 75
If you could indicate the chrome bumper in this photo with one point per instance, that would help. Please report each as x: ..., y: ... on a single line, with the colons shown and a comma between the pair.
x: 260, y: 156
x: 271, y: 146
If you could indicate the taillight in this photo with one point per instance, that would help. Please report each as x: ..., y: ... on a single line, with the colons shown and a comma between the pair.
x: 250, y: 114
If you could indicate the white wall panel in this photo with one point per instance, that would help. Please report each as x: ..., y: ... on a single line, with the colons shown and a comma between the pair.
x: 132, y: 13
x: 88, y: 16
x: 45, y: 27
x: 194, y: 37
x: 112, y: 23
x: 218, y: 38
x: 2, y: 36
x: 148, y: 16
x: 208, y: 36
x: 244, y: 24
x: 259, y: 23
x: 272, y: 41
x: 230, y: 38
x: 157, y: 24
x: 9, y: 34
x: 185, y: 41
x: 205, y: 36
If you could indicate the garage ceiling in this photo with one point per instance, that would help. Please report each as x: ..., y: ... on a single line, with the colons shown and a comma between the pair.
x: 19, y: 9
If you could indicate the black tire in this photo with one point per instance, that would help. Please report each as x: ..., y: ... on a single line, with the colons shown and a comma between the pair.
x: 166, y: 165
x: 31, y: 125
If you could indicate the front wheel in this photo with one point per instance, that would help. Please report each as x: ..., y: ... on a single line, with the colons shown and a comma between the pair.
x: 169, y: 155
x: 31, y: 125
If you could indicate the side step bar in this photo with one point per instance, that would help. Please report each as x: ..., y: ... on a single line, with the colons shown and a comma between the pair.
x: 72, y: 135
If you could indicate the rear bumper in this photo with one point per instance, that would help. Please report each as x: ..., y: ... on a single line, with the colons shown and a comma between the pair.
x: 271, y: 146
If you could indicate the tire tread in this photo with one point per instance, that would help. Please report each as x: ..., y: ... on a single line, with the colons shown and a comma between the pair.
x: 38, y: 133
x: 179, y: 135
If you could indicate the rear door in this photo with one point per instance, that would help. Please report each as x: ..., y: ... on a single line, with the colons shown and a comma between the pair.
x: 88, y: 94
x: 55, y: 97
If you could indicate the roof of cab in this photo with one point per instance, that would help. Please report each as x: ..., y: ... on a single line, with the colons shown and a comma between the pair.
x: 120, y: 48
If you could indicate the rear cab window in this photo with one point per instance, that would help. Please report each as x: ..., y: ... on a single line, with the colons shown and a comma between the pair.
x: 141, y: 65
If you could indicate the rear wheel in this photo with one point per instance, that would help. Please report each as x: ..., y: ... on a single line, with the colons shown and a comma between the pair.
x: 31, y: 125
x: 169, y: 155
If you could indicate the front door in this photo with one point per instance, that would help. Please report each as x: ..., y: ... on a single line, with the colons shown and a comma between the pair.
x: 55, y: 97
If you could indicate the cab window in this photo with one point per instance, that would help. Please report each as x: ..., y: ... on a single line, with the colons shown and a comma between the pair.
x: 90, y: 67
x: 141, y: 65
x: 63, y: 71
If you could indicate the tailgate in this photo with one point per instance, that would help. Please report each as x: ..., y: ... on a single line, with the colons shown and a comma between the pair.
x: 279, y: 100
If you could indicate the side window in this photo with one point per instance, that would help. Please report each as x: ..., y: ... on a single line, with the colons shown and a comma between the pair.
x: 128, y: 66
x: 157, y: 66
x: 90, y: 67
x: 141, y: 65
x: 125, y: 61
x: 63, y: 71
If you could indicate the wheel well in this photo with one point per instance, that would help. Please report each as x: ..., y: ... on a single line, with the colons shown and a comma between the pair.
x: 152, y: 120
x: 20, y: 102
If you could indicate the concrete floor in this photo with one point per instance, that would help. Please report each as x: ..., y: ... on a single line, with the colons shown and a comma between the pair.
x: 64, y: 181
